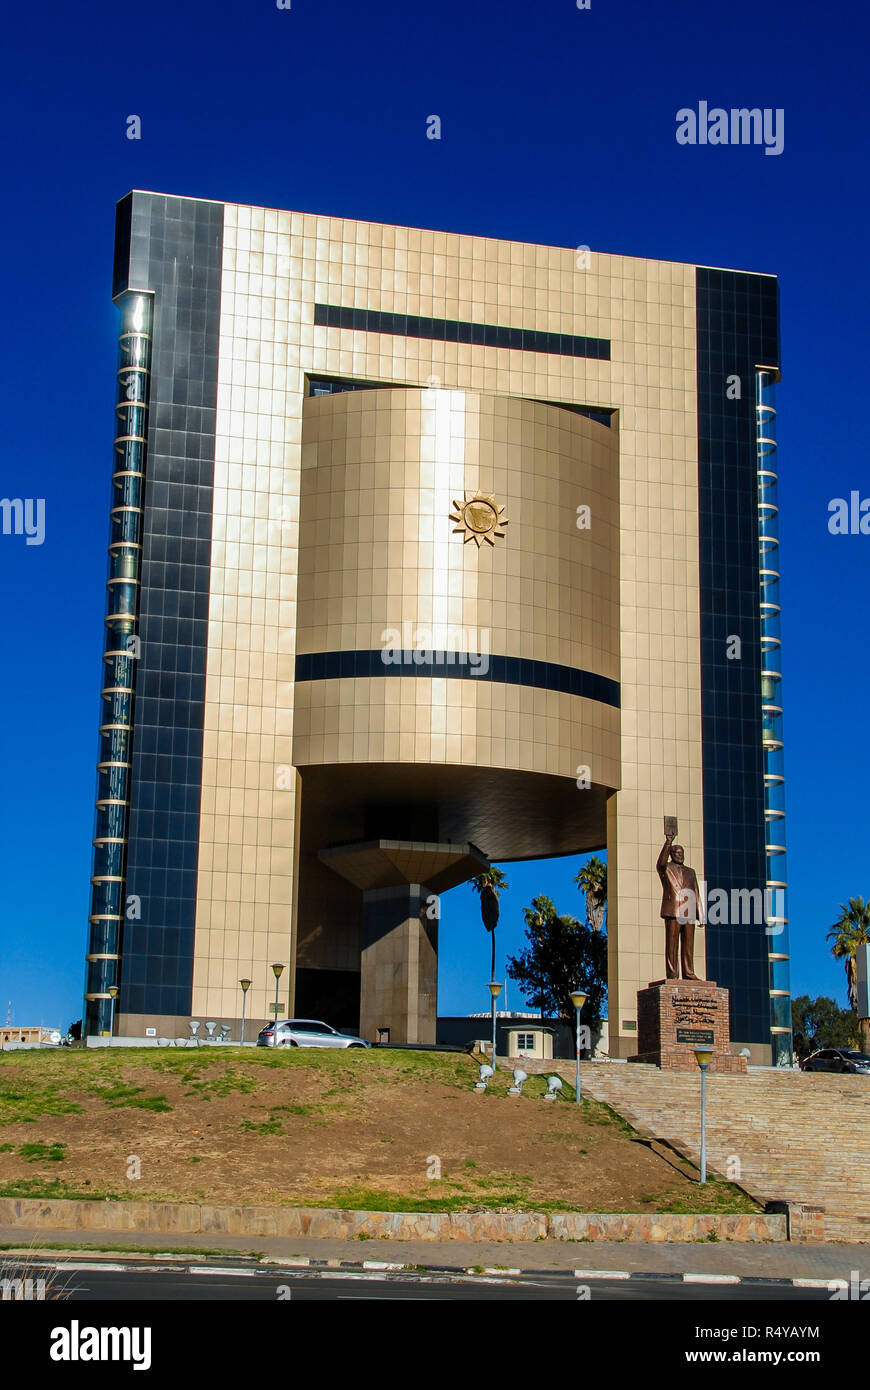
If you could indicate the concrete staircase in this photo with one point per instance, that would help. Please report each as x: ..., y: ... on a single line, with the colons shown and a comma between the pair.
x: 798, y: 1137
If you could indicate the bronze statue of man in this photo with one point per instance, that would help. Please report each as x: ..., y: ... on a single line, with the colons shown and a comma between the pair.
x: 681, y: 909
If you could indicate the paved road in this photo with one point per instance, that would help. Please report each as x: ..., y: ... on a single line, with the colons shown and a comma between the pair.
x: 138, y: 1282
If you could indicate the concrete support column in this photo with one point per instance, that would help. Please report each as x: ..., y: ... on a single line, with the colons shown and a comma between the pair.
x: 399, y: 986
x: 399, y: 966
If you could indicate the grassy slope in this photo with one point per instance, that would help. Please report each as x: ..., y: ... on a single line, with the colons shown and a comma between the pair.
x: 356, y: 1130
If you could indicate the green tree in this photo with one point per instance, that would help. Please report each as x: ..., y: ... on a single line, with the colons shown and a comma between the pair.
x: 592, y: 882
x: 488, y: 885
x: 562, y: 955
x: 851, y: 930
x: 818, y: 1023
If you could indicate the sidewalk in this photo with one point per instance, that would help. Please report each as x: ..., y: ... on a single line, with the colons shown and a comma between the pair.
x: 769, y: 1260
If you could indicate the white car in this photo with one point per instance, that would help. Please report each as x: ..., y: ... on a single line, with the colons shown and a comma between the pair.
x: 305, y: 1032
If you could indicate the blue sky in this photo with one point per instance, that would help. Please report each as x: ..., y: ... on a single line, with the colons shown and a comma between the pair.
x: 558, y: 126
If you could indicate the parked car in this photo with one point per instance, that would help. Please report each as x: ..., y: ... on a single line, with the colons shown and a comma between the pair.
x: 305, y: 1032
x: 838, y: 1059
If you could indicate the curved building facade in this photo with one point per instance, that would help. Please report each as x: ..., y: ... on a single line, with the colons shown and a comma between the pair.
x: 432, y: 575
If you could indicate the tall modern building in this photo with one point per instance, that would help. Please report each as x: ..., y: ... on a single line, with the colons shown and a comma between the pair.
x: 427, y: 550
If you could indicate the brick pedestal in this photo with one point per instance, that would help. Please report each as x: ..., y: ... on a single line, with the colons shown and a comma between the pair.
x: 676, y: 1016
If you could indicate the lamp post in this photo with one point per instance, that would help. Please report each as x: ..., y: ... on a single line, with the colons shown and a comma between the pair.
x: 113, y: 994
x: 495, y: 991
x: 246, y: 985
x: 278, y: 971
x: 703, y: 1056
x: 578, y: 999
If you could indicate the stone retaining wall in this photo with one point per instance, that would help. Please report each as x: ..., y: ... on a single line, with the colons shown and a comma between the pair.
x: 181, y: 1218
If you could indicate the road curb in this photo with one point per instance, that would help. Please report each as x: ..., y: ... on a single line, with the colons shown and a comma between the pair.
x: 275, y: 1267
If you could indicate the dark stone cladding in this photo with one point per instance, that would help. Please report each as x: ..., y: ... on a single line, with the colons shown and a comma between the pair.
x: 737, y: 331
x: 172, y: 246
x: 509, y: 670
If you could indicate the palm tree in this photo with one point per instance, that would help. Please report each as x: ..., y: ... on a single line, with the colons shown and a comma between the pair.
x: 488, y: 885
x: 592, y: 881
x: 851, y: 930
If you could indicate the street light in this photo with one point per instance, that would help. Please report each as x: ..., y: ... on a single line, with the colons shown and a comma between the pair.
x: 578, y: 999
x: 495, y: 991
x: 703, y: 1056
x: 278, y: 971
x: 246, y: 985
x: 113, y: 994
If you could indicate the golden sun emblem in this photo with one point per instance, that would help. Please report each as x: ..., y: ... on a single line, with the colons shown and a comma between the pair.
x: 479, y: 518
